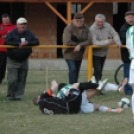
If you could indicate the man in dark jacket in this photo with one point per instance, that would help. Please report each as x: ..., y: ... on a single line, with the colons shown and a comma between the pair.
x: 17, y: 58
x: 129, y: 17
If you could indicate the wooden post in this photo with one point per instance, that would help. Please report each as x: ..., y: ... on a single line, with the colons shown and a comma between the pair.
x: 87, y: 7
x: 46, y: 77
x: 56, y: 12
x: 69, y: 11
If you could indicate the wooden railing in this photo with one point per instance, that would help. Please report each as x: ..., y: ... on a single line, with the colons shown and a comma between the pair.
x: 89, y: 58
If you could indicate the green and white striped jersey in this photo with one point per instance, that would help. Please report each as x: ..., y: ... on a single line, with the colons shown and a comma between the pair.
x: 130, y: 41
x: 62, y: 93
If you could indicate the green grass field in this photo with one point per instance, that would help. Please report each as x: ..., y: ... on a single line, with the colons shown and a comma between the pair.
x: 25, y: 118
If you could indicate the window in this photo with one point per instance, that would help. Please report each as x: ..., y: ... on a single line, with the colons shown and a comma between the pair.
x: 15, y: 10
x: 76, y: 8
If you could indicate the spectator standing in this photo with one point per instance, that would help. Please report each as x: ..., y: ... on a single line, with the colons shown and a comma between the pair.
x: 5, y: 27
x: 75, y: 34
x: 102, y: 34
x: 130, y: 47
x: 17, y: 58
x: 129, y: 21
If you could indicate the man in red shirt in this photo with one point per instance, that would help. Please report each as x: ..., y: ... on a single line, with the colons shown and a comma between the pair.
x: 5, y: 27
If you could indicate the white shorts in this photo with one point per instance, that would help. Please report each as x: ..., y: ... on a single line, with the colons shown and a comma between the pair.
x: 86, y: 107
x: 131, y: 76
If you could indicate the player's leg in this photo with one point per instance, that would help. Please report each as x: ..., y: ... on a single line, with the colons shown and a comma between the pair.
x: 84, y: 86
x: 86, y: 107
x: 91, y: 93
x: 128, y: 88
x: 107, y: 109
x: 131, y: 81
x: 54, y: 86
x: 89, y: 85
x: 110, y: 87
x: 132, y: 101
x: 114, y: 87
x: 122, y: 85
x: 100, y: 108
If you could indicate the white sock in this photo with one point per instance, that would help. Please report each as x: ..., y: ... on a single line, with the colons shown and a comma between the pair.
x: 103, y: 109
x: 132, y: 103
x: 132, y: 99
x: 110, y: 87
x: 114, y: 110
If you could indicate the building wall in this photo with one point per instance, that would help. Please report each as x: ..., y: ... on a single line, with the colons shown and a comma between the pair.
x: 42, y: 21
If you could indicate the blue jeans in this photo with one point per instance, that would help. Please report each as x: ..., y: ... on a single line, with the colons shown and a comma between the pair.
x: 74, y: 68
x: 128, y: 88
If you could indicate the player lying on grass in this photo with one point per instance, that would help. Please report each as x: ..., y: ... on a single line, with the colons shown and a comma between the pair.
x: 86, y: 95
x: 68, y: 104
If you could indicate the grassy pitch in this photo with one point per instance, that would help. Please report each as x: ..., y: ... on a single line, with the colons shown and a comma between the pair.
x: 25, y: 118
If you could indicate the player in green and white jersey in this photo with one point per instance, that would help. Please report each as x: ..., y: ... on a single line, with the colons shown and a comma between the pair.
x: 64, y: 91
x: 86, y: 106
x: 130, y: 47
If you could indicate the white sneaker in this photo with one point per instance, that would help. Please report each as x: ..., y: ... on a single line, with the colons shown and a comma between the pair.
x: 102, y: 84
x: 93, y: 80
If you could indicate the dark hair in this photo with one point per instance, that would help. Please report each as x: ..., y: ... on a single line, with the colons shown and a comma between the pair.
x: 5, y: 15
x: 61, y: 85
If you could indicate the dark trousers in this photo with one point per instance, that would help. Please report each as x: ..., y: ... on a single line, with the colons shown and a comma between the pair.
x: 128, y: 88
x: 74, y: 68
x: 3, y: 57
x: 98, y: 63
x: 17, y: 74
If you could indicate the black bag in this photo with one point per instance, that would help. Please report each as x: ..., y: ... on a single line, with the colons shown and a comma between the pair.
x: 68, y: 105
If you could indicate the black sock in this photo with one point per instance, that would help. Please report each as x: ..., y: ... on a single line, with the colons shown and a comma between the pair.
x: 87, y: 85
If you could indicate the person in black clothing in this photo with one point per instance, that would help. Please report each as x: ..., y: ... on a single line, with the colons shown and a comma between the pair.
x: 71, y: 99
x: 17, y: 58
x: 129, y: 17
